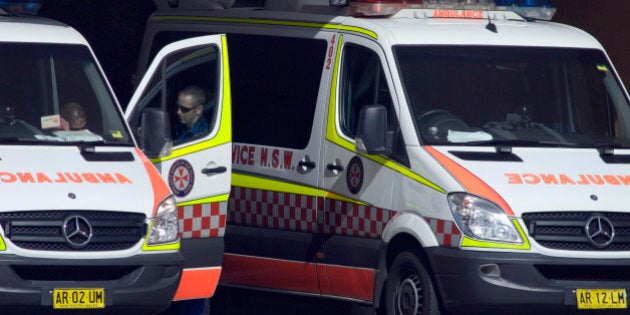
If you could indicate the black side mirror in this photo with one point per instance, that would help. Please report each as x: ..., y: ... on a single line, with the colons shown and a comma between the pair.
x: 155, y: 133
x: 372, y: 130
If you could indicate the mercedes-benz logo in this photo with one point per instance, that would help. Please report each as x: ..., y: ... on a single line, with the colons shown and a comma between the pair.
x: 599, y: 231
x: 77, y: 231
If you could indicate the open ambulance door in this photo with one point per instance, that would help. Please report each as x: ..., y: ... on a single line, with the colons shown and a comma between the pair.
x: 195, y: 162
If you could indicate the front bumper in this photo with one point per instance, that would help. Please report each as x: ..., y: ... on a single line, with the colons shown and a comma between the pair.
x: 143, y: 282
x: 482, y: 282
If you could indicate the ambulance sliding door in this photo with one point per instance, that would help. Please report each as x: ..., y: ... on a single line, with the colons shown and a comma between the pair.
x: 358, y: 202
x: 198, y: 167
x: 274, y: 217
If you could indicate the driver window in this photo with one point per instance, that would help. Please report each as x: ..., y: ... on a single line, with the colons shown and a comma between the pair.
x: 190, y: 93
x: 363, y: 83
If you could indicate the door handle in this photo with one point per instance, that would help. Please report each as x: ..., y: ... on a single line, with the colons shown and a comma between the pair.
x: 307, y: 164
x: 214, y: 170
x: 334, y: 167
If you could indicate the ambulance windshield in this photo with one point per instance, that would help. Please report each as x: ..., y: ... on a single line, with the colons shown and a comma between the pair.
x: 55, y: 93
x: 530, y: 96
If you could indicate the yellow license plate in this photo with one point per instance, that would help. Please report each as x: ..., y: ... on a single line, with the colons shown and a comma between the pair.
x: 78, y: 298
x: 601, y: 298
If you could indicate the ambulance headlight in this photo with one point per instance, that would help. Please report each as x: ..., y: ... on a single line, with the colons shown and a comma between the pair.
x: 165, y: 227
x: 481, y: 219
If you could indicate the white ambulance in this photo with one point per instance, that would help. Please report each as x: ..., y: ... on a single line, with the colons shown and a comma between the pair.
x: 416, y: 156
x: 87, y: 222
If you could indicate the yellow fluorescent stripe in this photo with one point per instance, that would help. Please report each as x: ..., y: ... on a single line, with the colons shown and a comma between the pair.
x: 219, y: 198
x: 351, y: 29
x: 224, y: 135
x: 3, y: 246
x: 204, y: 145
x: 332, y: 195
x: 469, y: 242
x: 253, y: 182
x: 150, y: 248
x: 248, y: 181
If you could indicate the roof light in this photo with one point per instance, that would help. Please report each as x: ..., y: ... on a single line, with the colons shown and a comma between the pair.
x: 534, y: 9
x: 380, y: 7
x: 21, y: 7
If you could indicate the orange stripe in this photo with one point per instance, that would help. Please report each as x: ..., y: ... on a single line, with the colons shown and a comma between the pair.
x: 324, y: 284
x: 160, y: 190
x: 470, y: 182
x: 270, y: 273
x: 199, y: 283
x: 351, y: 282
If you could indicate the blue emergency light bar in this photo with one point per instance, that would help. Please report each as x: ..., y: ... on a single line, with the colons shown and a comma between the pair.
x: 532, y: 9
x: 535, y: 9
x: 21, y: 7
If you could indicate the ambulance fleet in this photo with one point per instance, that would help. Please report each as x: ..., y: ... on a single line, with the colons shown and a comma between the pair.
x: 414, y: 157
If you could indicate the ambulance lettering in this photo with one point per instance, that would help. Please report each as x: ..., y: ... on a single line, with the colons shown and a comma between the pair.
x: 263, y: 157
x: 564, y: 179
x: 467, y: 14
x: 64, y: 177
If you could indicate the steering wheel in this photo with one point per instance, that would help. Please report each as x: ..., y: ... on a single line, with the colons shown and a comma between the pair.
x: 435, y: 124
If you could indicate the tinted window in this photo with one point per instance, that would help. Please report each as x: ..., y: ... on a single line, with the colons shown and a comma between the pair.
x: 363, y: 83
x: 275, y: 82
x: 56, y: 93
x: 192, y: 74
x: 464, y: 94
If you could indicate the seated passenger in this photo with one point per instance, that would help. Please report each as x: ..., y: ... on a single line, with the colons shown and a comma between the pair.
x: 74, y: 116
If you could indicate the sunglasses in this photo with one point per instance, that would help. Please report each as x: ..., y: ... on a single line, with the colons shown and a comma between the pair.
x: 185, y: 109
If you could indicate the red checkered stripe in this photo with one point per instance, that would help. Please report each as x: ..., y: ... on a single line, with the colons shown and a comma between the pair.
x: 295, y: 212
x: 347, y: 218
x: 446, y: 232
x: 202, y: 220
x: 272, y: 209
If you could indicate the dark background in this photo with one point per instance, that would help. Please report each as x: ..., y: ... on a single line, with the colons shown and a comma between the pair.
x: 114, y: 28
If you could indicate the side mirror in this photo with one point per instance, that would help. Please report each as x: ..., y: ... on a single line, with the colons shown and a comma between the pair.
x: 372, y: 130
x: 155, y: 133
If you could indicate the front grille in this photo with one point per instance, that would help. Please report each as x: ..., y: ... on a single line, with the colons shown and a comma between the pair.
x: 42, y: 230
x: 566, y: 230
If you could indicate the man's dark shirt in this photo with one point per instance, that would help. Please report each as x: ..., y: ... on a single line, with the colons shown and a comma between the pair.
x: 200, y: 128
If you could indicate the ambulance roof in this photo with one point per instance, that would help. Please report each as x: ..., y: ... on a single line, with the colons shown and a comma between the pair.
x: 37, y: 30
x: 404, y: 28
x: 417, y: 26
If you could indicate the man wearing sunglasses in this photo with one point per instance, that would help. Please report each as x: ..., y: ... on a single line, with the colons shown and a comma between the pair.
x: 190, y: 103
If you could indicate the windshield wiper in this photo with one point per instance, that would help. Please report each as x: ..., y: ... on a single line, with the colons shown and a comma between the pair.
x: 520, y: 142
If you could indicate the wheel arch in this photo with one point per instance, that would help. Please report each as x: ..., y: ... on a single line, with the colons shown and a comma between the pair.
x: 406, y: 231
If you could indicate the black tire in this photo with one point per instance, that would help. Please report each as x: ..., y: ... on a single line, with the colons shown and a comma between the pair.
x: 409, y: 289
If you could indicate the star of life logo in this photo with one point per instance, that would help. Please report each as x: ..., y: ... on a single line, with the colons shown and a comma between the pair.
x: 181, y: 178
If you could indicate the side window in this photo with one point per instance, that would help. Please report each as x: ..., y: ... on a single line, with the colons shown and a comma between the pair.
x: 363, y: 83
x: 188, y: 95
x: 276, y: 82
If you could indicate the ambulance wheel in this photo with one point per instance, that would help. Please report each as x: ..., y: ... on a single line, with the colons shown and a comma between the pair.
x: 409, y: 289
